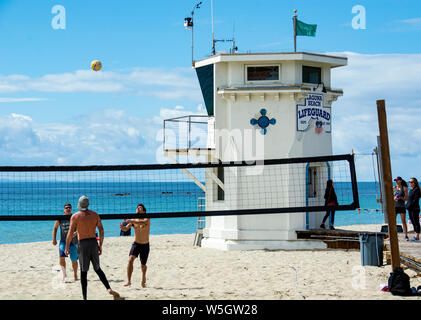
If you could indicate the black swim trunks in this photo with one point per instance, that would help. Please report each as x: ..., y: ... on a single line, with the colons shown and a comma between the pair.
x: 88, y: 252
x: 141, y: 250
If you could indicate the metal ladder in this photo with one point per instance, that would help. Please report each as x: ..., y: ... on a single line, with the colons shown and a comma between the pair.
x: 200, y: 222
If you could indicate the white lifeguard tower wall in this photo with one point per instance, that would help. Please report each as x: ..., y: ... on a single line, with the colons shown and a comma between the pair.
x: 236, y: 100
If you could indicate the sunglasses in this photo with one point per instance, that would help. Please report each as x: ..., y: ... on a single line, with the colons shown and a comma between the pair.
x: 67, y: 208
x: 411, y: 181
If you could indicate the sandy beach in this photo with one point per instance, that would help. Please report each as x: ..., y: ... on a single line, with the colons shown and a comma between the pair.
x: 177, y: 270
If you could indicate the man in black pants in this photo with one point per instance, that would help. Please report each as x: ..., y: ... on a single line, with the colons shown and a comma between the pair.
x: 85, y: 222
x: 413, y: 207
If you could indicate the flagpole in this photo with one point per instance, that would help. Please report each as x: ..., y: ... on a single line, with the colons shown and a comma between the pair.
x: 294, y: 18
x: 213, y: 39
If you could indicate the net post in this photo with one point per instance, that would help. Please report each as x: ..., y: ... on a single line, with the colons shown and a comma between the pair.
x: 354, y: 180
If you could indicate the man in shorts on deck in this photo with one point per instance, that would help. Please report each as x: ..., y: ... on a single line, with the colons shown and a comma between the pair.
x: 64, y: 229
x: 85, y: 222
x: 140, y: 245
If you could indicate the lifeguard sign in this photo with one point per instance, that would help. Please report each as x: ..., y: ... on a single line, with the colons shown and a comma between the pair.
x: 314, y: 111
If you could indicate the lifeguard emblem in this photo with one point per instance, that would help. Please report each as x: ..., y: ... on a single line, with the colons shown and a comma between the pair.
x: 318, y: 127
x: 313, y: 111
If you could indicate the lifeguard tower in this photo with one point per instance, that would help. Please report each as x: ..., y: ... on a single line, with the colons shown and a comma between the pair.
x: 264, y: 106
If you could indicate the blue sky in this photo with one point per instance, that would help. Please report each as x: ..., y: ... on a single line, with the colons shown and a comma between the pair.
x: 54, y: 110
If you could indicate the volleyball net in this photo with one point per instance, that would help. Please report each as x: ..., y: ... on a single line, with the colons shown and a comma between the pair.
x: 174, y: 190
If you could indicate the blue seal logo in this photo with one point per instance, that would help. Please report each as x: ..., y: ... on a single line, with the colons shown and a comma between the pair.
x: 263, y: 121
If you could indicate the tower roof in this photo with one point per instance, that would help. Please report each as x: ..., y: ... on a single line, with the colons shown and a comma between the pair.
x: 332, y: 61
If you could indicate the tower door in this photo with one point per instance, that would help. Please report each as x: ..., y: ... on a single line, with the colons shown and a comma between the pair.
x: 316, y: 177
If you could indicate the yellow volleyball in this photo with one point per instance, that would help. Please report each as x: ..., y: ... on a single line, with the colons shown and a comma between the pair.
x: 96, y: 65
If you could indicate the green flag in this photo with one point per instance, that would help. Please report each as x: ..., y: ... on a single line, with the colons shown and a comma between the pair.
x: 304, y: 29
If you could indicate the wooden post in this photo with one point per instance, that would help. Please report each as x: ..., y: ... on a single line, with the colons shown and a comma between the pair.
x: 388, y: 185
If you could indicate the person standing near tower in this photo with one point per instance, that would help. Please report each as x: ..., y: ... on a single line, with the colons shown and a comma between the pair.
x: 400, y: 196
x: 330, y: 201
x: 413, y: 207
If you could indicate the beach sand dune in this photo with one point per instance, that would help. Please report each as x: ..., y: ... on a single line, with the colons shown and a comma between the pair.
x: 177, y: 270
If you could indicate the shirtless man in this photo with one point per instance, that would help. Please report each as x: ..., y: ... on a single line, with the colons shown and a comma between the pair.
x: 140, y: 245
x: 85, y: 222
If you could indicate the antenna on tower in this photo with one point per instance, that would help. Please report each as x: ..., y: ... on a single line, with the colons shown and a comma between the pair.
x: 214, y: 41
x: 188, y: 24
x: 234, y: 47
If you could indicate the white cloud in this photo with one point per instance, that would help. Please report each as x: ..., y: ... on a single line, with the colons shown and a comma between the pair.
x: 406, y: 25
x: 17, y: 136
x: 10, y: 100
x: 179, y: 111
x: 108, y: 136
x: 20, y: 117
x: 367, y: 78
x: 165, y: 84
x: 411, y: 21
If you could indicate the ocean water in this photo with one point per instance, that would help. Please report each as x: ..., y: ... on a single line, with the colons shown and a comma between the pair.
x: 113, y: 197
x: 368, y: 194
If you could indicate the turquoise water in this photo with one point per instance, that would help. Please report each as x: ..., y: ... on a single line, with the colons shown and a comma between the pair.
x: 121, y: 198
x: 367, y: 197
x: 48, y: 198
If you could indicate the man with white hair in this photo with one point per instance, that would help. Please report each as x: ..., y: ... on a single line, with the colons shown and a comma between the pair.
x: 85, y: 222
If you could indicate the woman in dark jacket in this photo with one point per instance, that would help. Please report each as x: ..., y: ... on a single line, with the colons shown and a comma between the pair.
x: 413, y: 207
x: 400, y: 196
x: 330, y: 200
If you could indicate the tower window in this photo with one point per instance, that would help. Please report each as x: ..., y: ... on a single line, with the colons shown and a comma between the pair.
x: 312, y: 75
x: 262, y: 73
x: 311, y: 182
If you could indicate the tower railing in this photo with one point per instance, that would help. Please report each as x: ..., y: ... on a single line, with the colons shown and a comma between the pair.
x: 192, y: 132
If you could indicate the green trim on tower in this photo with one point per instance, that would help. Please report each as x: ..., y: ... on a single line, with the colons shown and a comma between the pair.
x: 205, y: 76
